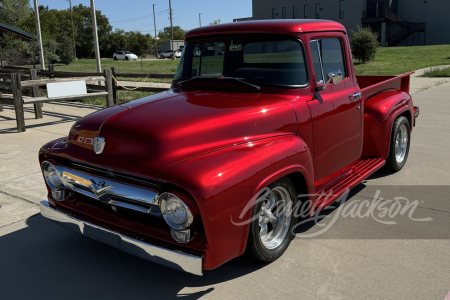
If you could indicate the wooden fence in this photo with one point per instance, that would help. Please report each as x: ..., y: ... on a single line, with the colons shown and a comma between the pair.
x: 18, y: 78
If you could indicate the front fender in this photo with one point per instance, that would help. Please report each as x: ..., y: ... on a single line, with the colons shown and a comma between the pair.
x: 380, y: 111
x: 223, y: 182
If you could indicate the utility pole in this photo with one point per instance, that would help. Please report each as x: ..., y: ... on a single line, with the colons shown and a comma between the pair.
x: 154, y: 21
x: 171, y: 29
x: 39, y: 36
x: 73, y: 30
x: 154, y: 18
x: 94, y: 28
x: 200, y: 19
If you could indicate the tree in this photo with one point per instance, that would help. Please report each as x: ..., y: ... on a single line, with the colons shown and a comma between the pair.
x: 215, y: 22
x: 165, y: 35
x: 364, y: 44
x: 13, y: 11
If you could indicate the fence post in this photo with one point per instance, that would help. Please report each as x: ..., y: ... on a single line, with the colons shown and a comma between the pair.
x: 18, y: 101
x: 109, y: 88
x: 36, y: 93
x: 3, y: 64
x: 114, y: 84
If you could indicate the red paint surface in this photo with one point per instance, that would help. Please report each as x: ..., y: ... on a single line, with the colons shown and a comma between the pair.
x: 219, y: 148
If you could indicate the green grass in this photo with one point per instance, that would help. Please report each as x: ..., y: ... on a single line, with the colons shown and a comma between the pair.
x: 122, y: 97
x: 388, y: 61
x: 437, y: 72
x: 163, y: 66
x: 399, y: 60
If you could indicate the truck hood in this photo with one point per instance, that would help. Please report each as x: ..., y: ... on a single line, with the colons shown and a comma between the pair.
x: 148, y: 135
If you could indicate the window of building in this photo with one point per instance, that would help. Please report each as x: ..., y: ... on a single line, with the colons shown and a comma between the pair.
x: 341, y: 9
x: 283, y: 13
x: 305, y: 11
x: 274, y: 13
x: 327, y: 55
x: 317, y: 10
x: 294, y: 12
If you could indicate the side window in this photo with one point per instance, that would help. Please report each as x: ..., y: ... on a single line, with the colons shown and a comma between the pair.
x: 332, y: 56
x: 314, y: 46
x: 327, y: 55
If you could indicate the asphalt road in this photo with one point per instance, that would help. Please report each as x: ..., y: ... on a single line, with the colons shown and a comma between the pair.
x: 357, y: 257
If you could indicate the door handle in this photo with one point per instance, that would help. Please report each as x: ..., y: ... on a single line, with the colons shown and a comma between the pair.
x: 355, y: 97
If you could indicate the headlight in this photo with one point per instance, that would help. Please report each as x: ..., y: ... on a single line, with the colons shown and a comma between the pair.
x: 51, y: 175
x: 174, y: 211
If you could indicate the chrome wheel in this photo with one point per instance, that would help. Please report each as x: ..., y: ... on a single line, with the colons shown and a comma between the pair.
x: 275, y: 217
x: 401, y: 144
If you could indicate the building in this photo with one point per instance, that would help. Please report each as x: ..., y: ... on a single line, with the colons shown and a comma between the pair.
x: 167, y: 45
x: 4, y: 29
x: 398, y: 22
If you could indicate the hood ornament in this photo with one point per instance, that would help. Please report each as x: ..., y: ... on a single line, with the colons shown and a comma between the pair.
x: 99, y: 144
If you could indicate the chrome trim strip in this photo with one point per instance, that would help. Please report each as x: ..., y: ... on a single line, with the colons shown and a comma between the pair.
x: 169, y: 258
x: 104, y: 189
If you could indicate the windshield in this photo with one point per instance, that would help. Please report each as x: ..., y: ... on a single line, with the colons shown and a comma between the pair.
x: 127, y: 52
x: 261, y: 61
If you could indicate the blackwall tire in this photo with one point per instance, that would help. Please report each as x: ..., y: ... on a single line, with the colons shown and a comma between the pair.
x: 400, y: 142
x: 268, y: 242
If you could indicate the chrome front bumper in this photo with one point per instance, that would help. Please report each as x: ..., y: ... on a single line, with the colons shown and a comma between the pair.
x: 169, y: 258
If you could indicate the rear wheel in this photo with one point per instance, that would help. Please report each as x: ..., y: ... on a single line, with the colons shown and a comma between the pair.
x: 115, y: 57
x: 271, y: 229
x: 400, y: 141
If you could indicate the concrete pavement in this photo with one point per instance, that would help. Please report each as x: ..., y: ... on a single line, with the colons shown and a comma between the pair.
x: 358, y: 258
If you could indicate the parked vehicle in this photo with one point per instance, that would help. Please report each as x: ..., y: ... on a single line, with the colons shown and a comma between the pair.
x: 196, y: 176
x: 170, y: 53
x: 124, y: 55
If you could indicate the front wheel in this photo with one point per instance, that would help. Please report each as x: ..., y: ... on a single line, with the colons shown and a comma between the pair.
x: 400, y: 141
x: 115, y: 57
x: 272, y: 222
x: 126, y: 58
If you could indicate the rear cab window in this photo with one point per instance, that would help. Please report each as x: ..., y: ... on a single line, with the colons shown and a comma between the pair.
x: 257, y: 60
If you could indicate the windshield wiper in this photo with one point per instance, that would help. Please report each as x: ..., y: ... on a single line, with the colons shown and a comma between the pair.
x: 192, y: 78
x: 221, y: 78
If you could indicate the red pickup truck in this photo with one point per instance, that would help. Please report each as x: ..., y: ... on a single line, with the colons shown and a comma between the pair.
x: 262, y: 116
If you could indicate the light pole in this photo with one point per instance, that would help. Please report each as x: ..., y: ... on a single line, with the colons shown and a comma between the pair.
x: 94, y: 28
x: 73, y: 31
x: 171, y: 29
x: 39, y: 36
x: 154, y: 21
x: 200, y: 19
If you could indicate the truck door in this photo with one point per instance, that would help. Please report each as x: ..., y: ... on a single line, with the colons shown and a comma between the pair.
x: 336, y: 116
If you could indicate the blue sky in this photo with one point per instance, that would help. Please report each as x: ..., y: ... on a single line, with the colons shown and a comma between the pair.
x: 131, y: 15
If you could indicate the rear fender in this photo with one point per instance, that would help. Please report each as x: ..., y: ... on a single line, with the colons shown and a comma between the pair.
x: 380, y: 111
x: 224, y: 183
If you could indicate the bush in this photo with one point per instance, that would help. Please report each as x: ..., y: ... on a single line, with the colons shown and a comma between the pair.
x: 364, y: 44
x: 65, y: 50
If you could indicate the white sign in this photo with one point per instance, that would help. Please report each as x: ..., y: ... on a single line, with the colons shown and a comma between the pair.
x: 63, y: 89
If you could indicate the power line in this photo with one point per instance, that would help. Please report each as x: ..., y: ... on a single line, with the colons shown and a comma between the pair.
x: 142, y: 17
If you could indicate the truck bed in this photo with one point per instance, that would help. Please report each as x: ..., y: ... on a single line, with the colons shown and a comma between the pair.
x: 370, y: 85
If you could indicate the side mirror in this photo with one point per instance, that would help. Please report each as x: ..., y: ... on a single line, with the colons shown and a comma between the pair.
x: 334, y: 76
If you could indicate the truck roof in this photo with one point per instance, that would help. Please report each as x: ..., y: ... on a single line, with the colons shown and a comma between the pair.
x: 268, y: 26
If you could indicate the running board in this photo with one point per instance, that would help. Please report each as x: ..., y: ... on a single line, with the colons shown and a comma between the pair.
x: 360, y: 171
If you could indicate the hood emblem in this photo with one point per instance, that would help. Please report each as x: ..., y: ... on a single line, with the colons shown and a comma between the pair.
x: 99, y: 144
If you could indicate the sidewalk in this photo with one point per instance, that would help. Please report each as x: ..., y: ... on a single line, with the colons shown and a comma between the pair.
x: 423, y: 83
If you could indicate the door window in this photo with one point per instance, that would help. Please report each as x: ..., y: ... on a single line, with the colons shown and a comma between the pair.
x: 327, y: 55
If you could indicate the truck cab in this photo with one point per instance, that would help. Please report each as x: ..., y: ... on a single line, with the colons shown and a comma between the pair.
x: 263, y: 117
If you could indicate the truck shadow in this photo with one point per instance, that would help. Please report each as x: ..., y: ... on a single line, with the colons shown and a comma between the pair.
x: 46, y: 261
